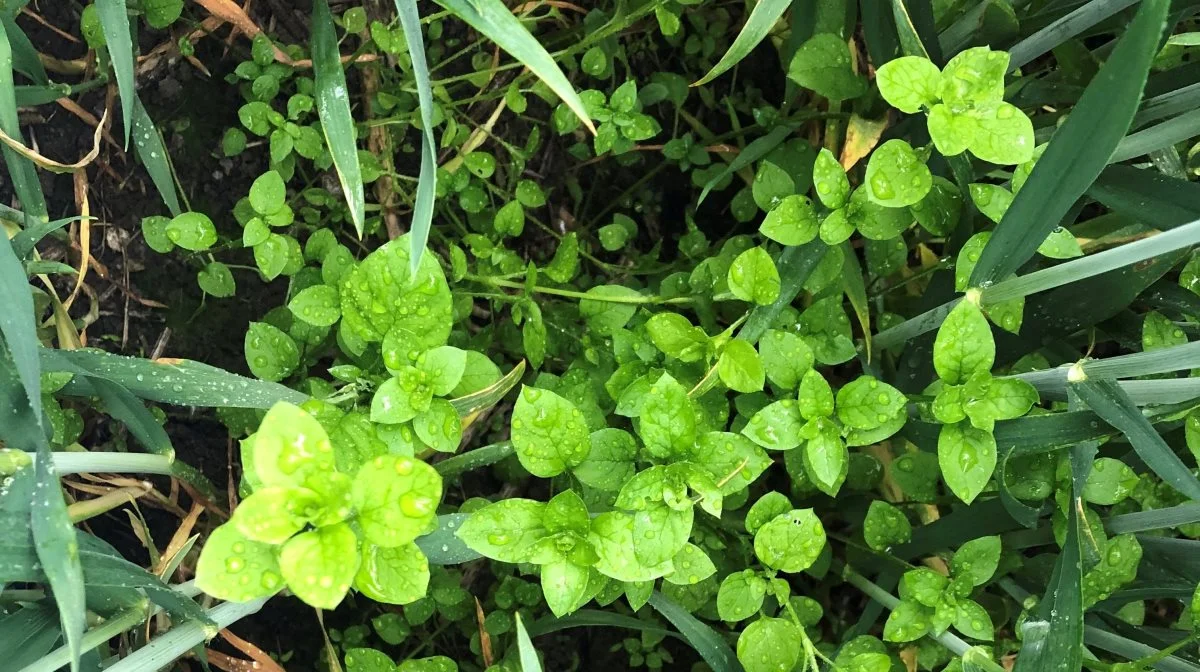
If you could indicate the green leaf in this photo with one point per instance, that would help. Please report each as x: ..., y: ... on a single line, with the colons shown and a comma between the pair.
x: 885, y: 526
x: 114, y: 20
x: 867, y: 403
x: 272, y: 515
x: 826, y: 459
x: 401, y: 398
x: 319, y: 565
x: 967, y: 457
x: 497, y: 23
x: 382, y: 295
x: 762, y: 18
x: 1060, y: 244
x: 667, y: 422
x: 731, y: 459
x: 992, y: 399
x: 1110, y: 482
x: 692, y: 565
x: 1079, y: 149
x: 974, y: 77
x: 976, y: 560
x: 823, y: 65
x: 368, y: 660
x: 318, y: 305
x: 791, y: 542
x: 610, y: 461
x: 964, y: 344
x: 770, y: 645
x: 830, y: 181
x: 192, y: 231
x: 444, y: 367
x: 548, y: 433
x: 268, y: 193
x: 974, y: 621
x: 271, y: 353
x: 612, y: 535
x: 909, y: 83
x: 396, y: 575
x: 940, y: 210
x: 217, y: 280
x: 235, y: 568
x: 816, y: 396
x: 795, y: 266
x: 908, y: 622
x: 290, y: 447
x: 675, y: 336
x: 564, y: 585
x: 605, y: 317
x: 505, y: 530
x: 1160, y: 332
x: 754, y: 278
x: 791, y: 222
x: 740, y: 367
x: 1115, y: 407
x: 741, y: 595
x: 874, y: 221
x: 396, y: 499
x: 896, y: 176
x: 439, y: 427
x: 333, y: 108
x: 661, y: 533
x: 272, y: 255
x: 785, y: 358
x: 776, y: 426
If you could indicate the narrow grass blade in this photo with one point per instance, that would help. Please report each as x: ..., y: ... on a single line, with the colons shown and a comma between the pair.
x: 1079, y: 150
x: 910, y: 41
x: 153, y: 153
x: 20, y: 169
x: 497, y: 23
x: 175, y: 381
x: 58, y: 552
x: 25, y: 240
x: 480, y: 457
x: 1109, y: 402
x: 1094, y: 264
x: 469, y: 406
x: 1168, y: 104
x: 26, y: 59
x: 1156, y: 137
x: 592, y: 618
x: 333, y: 107
x: 711, y: 647
x: 17, y: 327
x: 132, y: 413
x: 752, y: 152
x: 442, y: 546
x: 1154, y: 519
x: 913, y: 327
x: 422, y: 217
x: 1147, y: 363
x: 758, y: 24
x: 856, y: 293
x: 1041, y: 42
x: 163, y: 650
x: 1052, y: 639
x: 28, y: 634
x: 1128, y: 648
x: 526, y: 652
x: 114, y: 22
x: 1147, y: 196
x: 795, y: 265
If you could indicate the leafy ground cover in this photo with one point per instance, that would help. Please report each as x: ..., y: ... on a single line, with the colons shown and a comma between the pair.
x: 729, y: 336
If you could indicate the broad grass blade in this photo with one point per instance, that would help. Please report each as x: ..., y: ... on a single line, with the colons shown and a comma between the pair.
x: 762, y: 17
x: 496, y: 21
x: 333, y: 108
x: 1080, y: 149
x: 528, y: 654
x: 114, y: 22
x: 1111, y: 403
x: 1147, y: 196
x: 26, y: 59
x: 20, y: 169
x: 703, y: 639
x: 1063, y: 29
x: 753, y: 152
x: 422, y: 217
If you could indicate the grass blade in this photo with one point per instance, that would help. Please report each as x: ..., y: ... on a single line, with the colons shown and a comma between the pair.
x: 1147, y: 196
x: 58, y: 552
x: 1147, y: 363
x: 1063, y: 29
x: 422, y: 217
x: 17, y: 328
x: 471, y: 405
x: 161, y: 651
x: 1079, y: 150
x: 114, y: 22
x: 753, y: 152
x: 1156, y: 137
x: 153, y: 153
x: 25, y: 240
x: 1154, y: 519
x: 480, y: 457
x: 498, y: 24
x: 1113, y: 406
x: 592, y: 618
x: 795, y: 265
x: 28, y: 634
x: 175, y: 381
x: 758, y: 24
x: 125, y: 407
x: 20, y: 169
x: 528, y: 654
x: 703, y: 639
x: 25, y: 56
x: 856, y: 293
x: 333, y: 108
